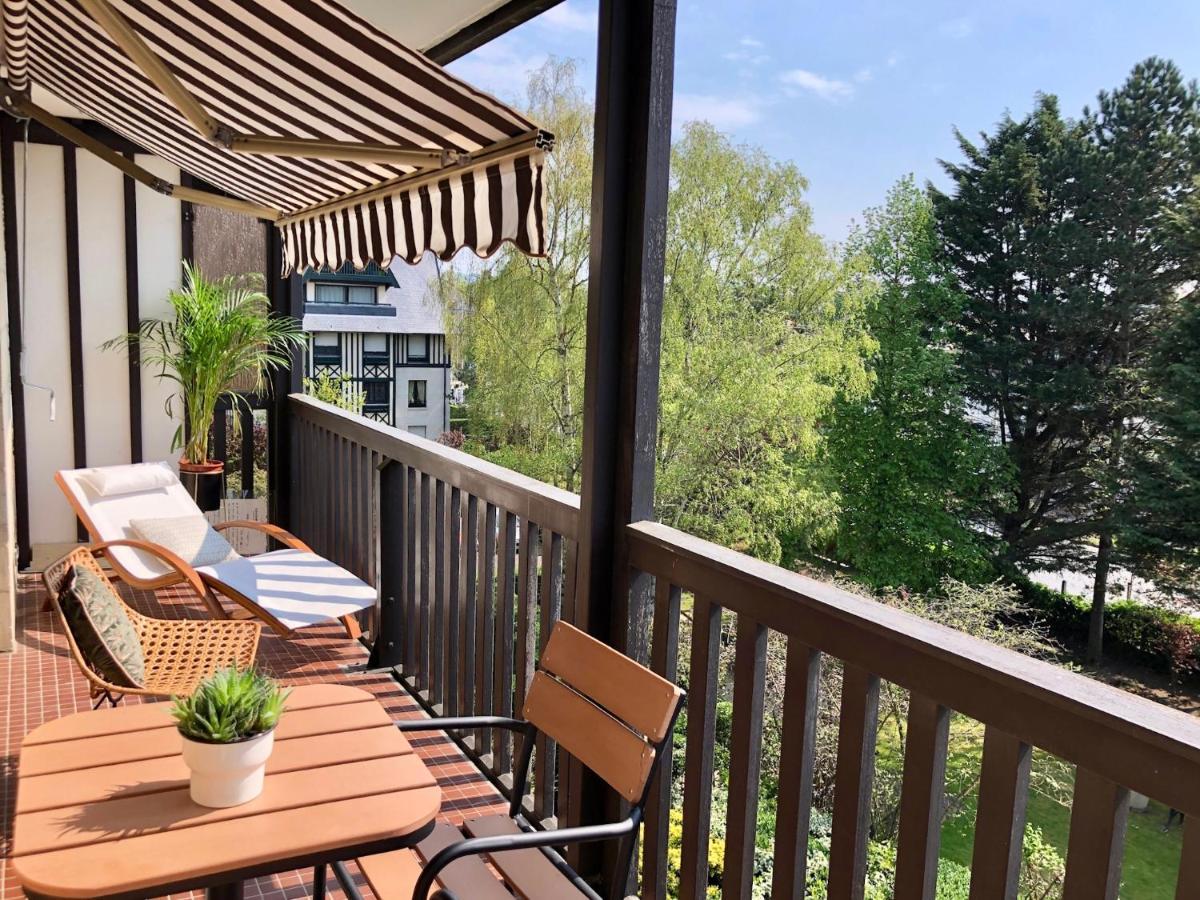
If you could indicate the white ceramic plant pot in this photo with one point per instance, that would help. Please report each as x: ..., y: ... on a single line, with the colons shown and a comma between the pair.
x: 228, y: 774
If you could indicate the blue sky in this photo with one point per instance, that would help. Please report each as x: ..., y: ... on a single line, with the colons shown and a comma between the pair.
x: 859, y: 93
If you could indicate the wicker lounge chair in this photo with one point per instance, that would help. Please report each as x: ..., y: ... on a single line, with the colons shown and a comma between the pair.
x: 179, y: 653
x: 288, y: 589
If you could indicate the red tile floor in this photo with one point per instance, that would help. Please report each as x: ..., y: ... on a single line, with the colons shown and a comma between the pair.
x: 39, y: 682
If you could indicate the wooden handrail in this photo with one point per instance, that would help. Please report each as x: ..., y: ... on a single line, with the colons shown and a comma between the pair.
x: 1130, y: 740
x: 532, y: 500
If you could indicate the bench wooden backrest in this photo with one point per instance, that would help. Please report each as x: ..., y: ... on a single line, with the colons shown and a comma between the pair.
x: 601, y: 707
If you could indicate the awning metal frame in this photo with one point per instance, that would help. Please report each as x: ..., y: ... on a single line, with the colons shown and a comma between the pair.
x: 222, y: 135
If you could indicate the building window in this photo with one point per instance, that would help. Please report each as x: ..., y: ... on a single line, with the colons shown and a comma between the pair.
x: 375, y: 393
x: 418, y: 430
x: 416, y: 394
x: 342, y: 293
x: 418, y: 348
x: 375, y: 350
x: 327, y: 355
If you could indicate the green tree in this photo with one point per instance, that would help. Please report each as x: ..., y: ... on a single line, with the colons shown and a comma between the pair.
x: 519, y: 322
x: 910, y: 467
x: 1146, y: 143
x: 762, y: 330
x: 1026, y: 267
x: 1059, y: 234
x: 1161, y: 532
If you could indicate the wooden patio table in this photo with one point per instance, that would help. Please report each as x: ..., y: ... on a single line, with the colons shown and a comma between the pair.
x: 103, y: 807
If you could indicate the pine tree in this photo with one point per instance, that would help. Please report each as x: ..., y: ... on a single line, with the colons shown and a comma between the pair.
x: 1025, y: 265
x: 1160, y: 532
x: 1145, y: 138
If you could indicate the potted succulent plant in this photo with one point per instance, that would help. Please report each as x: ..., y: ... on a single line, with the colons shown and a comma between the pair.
x: 223, y: 340
x: 228, y: 730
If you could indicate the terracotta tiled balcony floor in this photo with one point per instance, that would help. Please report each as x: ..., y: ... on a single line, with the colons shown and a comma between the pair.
x: 39, y: 682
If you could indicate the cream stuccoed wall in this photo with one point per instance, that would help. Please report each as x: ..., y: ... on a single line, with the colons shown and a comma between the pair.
x: 101, y: 265
x: 8, y: 530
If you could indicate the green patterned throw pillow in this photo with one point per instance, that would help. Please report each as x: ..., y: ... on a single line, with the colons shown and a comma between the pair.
x: 102, y: 631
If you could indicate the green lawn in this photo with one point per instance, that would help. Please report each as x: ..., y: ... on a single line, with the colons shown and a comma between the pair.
x: 1151, y: 859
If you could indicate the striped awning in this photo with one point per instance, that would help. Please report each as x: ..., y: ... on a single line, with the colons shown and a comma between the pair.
x: 299, y: 71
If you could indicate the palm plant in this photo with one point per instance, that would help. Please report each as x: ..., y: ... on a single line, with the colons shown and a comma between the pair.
x: 223, y: 335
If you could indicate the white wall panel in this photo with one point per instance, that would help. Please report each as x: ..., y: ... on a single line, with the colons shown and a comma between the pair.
x: 47, y: 349
x: 159, y: 269
x: 102, y: 308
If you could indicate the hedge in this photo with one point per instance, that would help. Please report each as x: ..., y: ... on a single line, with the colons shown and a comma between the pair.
x: 1156, y: 637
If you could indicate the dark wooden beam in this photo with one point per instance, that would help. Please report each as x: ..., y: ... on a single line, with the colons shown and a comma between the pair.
x: 287, y: 298
x: 487, y: 28
x: 74, y: 315
x: 187, y: 222
x: 133, y: 317
x: 629, y: 203
x: 634, y: 75
x: 8, y: 183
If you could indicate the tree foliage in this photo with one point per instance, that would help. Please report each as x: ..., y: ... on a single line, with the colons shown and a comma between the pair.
x: 911, y: 468
x: 762, y: 330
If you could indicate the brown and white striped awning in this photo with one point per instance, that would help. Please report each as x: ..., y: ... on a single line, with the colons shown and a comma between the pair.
x: 308, y: 70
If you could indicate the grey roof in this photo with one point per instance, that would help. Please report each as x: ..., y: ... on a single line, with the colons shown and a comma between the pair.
x: 416, y: 298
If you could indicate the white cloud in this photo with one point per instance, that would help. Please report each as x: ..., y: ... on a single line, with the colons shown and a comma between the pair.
x: 862, y: 76
x: 823, y: 87
x: 725, y: 113
x: 893, y: 60
x: 499, y: 69
x: 753, y: 43
x: 957, y: 29
x: 569, y: 17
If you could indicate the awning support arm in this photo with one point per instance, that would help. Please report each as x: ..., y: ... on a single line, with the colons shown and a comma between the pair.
x: 21, y: 106
x: 123, y: 34
x: 153, y: 68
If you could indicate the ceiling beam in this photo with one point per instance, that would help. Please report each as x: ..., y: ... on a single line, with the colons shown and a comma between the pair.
x: 487, y: 28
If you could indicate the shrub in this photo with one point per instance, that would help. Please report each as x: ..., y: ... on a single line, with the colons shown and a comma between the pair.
x: 1160, y: 638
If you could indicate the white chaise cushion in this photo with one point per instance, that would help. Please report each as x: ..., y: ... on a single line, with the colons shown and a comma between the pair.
x: 189, y: 537
x: 296, y: 587
x: 109, y: 517
x: 111, y: 481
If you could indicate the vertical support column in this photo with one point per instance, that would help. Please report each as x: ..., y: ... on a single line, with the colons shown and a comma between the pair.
x: 74, y: 316
x: 133, y: 316
x: 286, y: 294
x: 634, y: 83
x: 635, y: 65
x: 12, y: 255
x: 387, y: 649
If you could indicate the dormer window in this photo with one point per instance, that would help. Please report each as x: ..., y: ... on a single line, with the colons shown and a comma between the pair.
x: 352, y: 294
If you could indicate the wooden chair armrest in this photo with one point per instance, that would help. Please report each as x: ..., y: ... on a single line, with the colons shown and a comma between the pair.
x: 174, y: 560
x: 284, y: 537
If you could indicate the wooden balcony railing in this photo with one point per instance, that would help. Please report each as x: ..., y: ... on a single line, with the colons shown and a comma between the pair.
x: 479, y: 561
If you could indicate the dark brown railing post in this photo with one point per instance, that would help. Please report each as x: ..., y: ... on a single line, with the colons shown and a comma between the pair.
x: 635, y: 67
x: 387, y: 649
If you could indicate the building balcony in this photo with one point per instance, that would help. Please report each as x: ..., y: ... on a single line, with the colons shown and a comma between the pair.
x: 475, y: 563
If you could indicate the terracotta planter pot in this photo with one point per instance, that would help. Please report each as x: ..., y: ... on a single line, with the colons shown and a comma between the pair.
x: 205, y: 482
x: 227, y: 774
